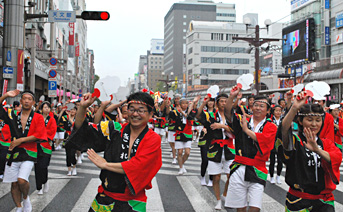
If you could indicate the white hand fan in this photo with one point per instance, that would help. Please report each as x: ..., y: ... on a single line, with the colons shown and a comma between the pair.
x: 275, y: 97
x: 213, y: 91
x: 318, y: 90
x: 70, y: 106
x: 73, y: 100
x: 334, y: 106
x: 171, y: 94
x: 54, y: 102
x: 245, y: 81
x: 107, y: 86
x: 42, y: 98
x: 296, y: 89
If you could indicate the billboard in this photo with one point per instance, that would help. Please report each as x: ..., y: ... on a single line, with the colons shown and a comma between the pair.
x: 298, y: 42
x: 266, y: 64
x: 339, y: 20
x: 297, y: 4
x: 157, y: 46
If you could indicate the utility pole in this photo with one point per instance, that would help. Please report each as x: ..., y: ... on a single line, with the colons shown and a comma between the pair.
x: 256, y: 42
x: 13, y: 38
x: 33, y: 60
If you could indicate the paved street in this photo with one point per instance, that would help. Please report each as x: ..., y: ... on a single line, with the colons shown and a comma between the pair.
x: 170, y: 192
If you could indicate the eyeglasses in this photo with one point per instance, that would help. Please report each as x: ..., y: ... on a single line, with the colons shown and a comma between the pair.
x: 260, y: 105
x: 140, y: 111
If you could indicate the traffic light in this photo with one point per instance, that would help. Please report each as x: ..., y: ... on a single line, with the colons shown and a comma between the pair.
x: 95, y: 15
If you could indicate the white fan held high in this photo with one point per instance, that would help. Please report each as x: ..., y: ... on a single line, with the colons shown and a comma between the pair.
x: 296, y: 89
x: 318, y: 89
x: 213, y: 91
x: 245, y: 81
x: 106, y: 87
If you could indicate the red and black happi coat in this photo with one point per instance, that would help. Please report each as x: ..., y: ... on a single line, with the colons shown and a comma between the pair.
x: 216, y: 140
x: 253, y: 154
x: 308, y: 175
x: 34, y: 127
x: 144, y: 162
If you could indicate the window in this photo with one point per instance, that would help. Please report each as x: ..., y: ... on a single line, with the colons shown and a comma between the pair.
x: 184, y: 16
x: 190, y: 50
x: 184, y: 23
x: 190, y: 61
x: 184, y: 30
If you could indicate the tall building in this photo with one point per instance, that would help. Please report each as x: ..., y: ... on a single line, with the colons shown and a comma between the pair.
x: 155, y: 63
x: 212, y: 56
x: 176, y: 23
x: 142, y: 71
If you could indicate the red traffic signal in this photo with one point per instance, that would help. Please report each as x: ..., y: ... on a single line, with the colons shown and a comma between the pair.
x: 95, y: 15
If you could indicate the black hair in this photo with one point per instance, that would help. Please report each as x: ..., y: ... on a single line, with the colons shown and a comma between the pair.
x: 28, y: 92
x: 143, y: 97
x: 310, y: 108
x: 273, y: 109
x: 16, y: 104
x: 280, y: 100
x: 263, y: 98
x: 45, y: 103
x: 221, y: 95
x: 249, y: 97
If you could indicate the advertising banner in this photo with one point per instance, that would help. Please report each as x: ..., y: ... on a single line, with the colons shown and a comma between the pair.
x: 20, y: 70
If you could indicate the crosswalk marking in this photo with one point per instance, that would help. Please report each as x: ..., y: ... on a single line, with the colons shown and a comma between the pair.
x: 200, y: 198
x: 154, y: 202
x: 86, y: 197
x: 197, y: 201
x: 41, y: 201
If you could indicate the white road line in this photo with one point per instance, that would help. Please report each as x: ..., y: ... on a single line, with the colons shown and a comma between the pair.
x: 87, y: 196
x: 154, y: 202
x: 197, y: 201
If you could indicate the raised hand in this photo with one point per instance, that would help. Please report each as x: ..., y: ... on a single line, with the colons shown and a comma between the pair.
x: 235, y: 91
x: 300, y: 99
x: 105, y: 103
x: 87, y: 100
x: 13, y: 93
x: 288, y: 95
x: 239, y: 96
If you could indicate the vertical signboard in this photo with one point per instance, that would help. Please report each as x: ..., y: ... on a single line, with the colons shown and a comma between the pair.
x: 20, y: 70
x: 71, y: 50
x: 339, y: 20
x: 77, y: 50
x: 327, y: 35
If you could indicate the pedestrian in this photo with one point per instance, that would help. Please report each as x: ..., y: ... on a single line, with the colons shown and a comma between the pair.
x: 59, y: 117
x: 277, y: 119
x: 44, y: 149
x: 312, y: 163
x: 254, y: 139
x: 132, y: 154
x: 27, y: 128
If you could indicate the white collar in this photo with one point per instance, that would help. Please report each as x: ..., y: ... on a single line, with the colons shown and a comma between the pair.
x: 258, y: 126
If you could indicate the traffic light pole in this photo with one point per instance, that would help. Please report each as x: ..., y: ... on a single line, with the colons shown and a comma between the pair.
x: 256, y: 42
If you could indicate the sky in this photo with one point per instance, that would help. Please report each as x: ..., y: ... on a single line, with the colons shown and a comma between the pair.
x: 118, y: 42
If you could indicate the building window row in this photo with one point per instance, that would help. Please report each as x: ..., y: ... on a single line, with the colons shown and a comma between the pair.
x: 190, y: 61
x: 222, y: 36
x: 222, y: 49
x: 224, y: 60
x: 190, y: 50
x: 226, y: 14
x: 224, y: 71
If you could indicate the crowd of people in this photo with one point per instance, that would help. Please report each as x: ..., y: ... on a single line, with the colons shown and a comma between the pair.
x: 236, y: 137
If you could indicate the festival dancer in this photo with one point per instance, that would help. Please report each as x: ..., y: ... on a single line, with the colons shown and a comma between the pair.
x: 27, y: 128
x: 70, y: 152
x: 221, y: 151
x: 254, y: 139
x: 277, y: 119
x: 45, y: 149
x: 328, y: 130
x: 338, y: 124
x: 315, y: 160
x: 205, y: 138
x: 131, y: 151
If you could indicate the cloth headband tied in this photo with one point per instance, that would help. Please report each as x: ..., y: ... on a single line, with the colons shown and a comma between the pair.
x: 311, y: 114
x: 140, y: 102
x: 29, y: 94
x: 262, y: 102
